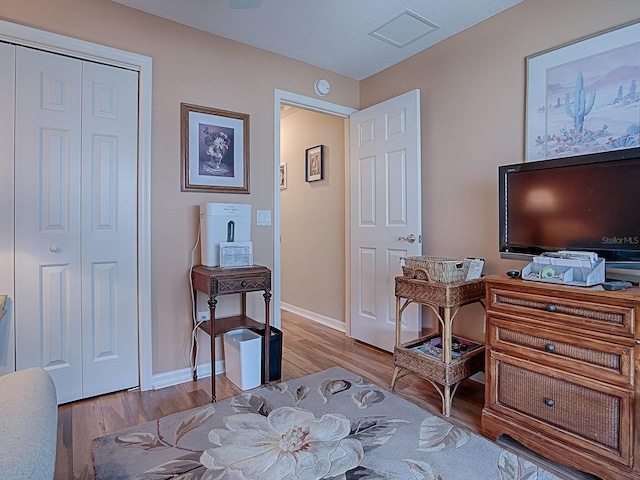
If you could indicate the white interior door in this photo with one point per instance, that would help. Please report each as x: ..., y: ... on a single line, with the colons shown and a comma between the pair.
x: 385, y: 186
x: 75, y: 218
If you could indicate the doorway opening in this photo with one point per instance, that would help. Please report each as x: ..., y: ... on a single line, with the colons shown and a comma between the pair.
x: 309, y: 105
x: 312, y: 213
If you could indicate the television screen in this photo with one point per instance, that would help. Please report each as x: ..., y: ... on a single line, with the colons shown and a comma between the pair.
x: 587, y: 203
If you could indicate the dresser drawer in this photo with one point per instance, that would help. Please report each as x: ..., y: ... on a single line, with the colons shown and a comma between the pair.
x: 593, y: 358
x: 586, y: 416
x: 587, y: 313
x: 240, y: 284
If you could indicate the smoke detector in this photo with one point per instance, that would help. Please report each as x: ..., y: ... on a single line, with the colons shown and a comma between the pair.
x: 322, y: 87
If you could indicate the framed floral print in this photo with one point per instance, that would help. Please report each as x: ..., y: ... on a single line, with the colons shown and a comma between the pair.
x: 215, y: 150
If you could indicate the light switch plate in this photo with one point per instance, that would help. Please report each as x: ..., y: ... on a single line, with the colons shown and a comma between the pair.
x: 264, y: 218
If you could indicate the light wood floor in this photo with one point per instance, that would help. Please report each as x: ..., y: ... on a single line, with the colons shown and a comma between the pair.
x: 307, y: 348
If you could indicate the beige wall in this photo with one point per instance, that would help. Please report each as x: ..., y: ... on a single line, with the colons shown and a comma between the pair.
x: 313, y: 215
x: 193, y: 67
x: 472, y: 89
x: 472, y: 100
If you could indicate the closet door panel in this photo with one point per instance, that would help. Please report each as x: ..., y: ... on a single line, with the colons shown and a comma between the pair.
x: 7, y: 101
x: 47, y: 217
x: 109, y: 229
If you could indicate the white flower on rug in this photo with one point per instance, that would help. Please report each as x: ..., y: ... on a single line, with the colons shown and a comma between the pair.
x: 291, y: 443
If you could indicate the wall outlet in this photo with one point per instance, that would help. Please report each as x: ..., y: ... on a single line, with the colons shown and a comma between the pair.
x: 203, y: 315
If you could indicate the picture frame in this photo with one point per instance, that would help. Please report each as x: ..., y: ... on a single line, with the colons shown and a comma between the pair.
x: 283, y: 176
x: 314, y: 163
x: 598, y: 71
x: 214, y: 148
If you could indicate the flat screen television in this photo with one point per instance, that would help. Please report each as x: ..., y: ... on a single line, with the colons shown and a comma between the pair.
x: 586, y: 203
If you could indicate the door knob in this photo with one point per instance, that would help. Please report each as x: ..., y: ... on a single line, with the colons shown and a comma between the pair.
x: 54, y: 248
x: 409, y: 238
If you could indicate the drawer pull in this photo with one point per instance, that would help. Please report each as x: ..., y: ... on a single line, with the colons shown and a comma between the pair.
x: 551, y: 308
x: 549, y: 402
x: 549, y: 348
x: 243, y: 284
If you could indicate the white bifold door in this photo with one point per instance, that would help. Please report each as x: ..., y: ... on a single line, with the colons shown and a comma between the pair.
x: 76, y: 311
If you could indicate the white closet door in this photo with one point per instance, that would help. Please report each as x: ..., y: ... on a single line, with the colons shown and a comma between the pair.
x: 109, y: 229
x: 47, y: 218
x: 7, y: 89
x: 76, y: 223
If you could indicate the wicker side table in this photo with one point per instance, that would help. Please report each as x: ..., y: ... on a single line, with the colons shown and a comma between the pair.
x: 445, y: 300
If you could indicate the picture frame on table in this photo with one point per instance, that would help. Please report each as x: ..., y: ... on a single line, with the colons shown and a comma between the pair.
x: 314, y: 163
x: 583, y: 97
x: 214, y: 148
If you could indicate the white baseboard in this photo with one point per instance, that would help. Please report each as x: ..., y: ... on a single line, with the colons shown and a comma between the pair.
x: 316, y: 317
x: 168, y: 379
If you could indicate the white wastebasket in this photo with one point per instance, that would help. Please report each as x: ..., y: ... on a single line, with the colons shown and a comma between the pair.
x: 243, y: 357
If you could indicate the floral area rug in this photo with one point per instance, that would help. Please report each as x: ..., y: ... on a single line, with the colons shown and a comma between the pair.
x: 329, y: 425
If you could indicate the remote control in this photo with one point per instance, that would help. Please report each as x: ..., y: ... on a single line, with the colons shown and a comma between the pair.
x: 616, y: 285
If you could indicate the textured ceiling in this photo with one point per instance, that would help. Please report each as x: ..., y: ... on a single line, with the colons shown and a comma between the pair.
x: 336, y: 35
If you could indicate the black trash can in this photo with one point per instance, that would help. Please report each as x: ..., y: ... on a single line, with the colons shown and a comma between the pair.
x: 275, y: 353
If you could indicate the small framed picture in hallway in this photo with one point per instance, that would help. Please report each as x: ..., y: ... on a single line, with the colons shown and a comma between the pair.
x: 314, y: 163
x: 283, y: 176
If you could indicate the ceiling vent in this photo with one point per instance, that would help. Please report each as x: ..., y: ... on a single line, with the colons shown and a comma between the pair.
x: 404, y: 29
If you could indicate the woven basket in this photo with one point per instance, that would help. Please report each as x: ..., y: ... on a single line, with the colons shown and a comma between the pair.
x: 435, y: 369
x: 440, y: 294
x: 436, y: 269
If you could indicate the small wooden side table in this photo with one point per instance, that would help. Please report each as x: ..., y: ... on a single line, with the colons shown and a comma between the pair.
x: 215, y: 281
x: 445, y: 300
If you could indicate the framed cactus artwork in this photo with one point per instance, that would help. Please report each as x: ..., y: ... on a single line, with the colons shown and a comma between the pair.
x: 584, y: 97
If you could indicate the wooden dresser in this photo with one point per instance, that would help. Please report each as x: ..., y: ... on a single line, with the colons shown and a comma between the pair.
x: 562, y: 375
